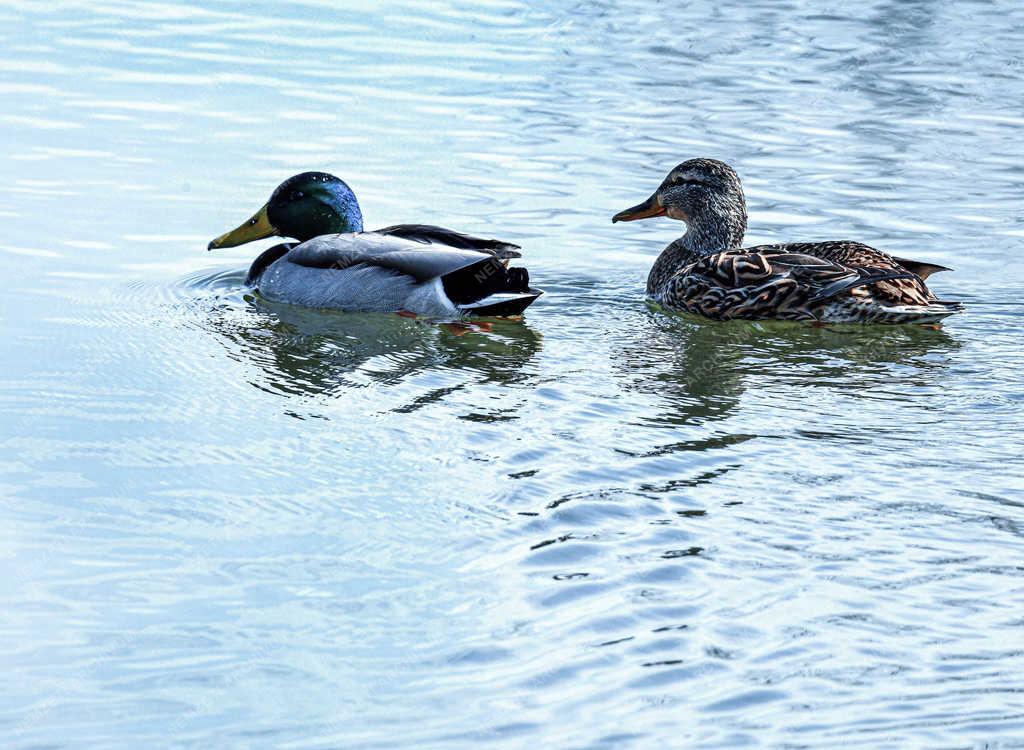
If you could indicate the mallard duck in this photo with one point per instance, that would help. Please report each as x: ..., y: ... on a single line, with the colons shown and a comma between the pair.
x: 707, y: 272
x: 408, y: 268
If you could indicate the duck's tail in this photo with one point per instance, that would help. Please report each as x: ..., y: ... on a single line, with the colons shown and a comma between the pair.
x: 930, y: 313
x: 927, y: 314
x: 844, y: 307
x: 490, y: 288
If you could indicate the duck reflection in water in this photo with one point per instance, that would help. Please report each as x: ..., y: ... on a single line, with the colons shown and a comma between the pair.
x: 300, y: 351
x: 700, y: 370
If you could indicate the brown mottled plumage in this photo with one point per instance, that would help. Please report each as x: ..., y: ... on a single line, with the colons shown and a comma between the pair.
x: 707, y: 272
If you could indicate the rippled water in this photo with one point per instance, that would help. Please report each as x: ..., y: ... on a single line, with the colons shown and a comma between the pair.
x: 232, y: 524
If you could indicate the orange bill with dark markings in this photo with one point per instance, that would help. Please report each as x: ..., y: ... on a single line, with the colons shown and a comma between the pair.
x: 650, y: 207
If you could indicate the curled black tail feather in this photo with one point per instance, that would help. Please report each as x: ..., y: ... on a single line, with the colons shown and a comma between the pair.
x: 489, y: 276
x: 518, y: 280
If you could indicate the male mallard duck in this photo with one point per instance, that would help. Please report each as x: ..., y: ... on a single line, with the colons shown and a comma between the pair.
x: 707, y: 272
x: 414, y: 268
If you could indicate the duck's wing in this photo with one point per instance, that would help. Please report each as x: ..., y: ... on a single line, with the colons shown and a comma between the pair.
x: 843, y: 252
x: 422, y: 261
x: 776, y: 281
x: 857, y: 254
x: 893, y: 292
x: 429, y: 234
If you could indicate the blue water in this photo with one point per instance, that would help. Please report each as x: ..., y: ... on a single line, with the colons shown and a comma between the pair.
x: 230, y: 524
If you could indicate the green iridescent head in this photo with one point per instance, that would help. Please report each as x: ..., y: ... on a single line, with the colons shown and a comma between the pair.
x: 304, y: 206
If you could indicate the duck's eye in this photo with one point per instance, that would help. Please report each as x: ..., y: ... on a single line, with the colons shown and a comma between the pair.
x: 297, y: 195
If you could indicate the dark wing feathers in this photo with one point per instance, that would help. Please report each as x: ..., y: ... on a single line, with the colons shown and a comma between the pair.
x: 855, y: 254
x: 844, y: 252
x: 862, y: 277
x: 798, y: 281
x: 427, y: 233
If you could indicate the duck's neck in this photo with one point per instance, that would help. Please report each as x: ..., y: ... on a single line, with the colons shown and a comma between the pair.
x: 703, y: 237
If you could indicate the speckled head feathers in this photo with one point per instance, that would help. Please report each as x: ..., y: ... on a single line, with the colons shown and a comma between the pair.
x: 708, y: 196
x: 710, y: 172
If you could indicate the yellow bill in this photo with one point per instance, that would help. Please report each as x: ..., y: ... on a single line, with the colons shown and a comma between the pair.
x: 256, y: 228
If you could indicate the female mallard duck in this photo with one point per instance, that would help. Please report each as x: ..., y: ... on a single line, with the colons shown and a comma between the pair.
x: 414, y: 268
x: 707, y: 272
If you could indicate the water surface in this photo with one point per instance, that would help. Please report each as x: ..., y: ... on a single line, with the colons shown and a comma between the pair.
x: 234, y: 524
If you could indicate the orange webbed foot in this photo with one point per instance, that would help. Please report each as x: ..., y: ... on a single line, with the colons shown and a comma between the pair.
x: 457, y: 329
